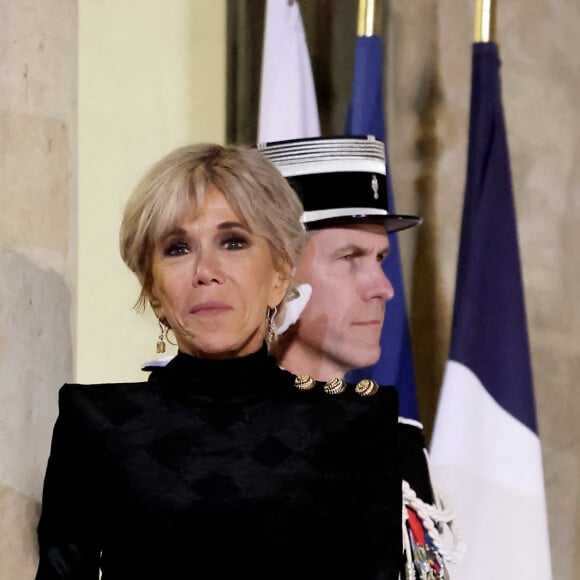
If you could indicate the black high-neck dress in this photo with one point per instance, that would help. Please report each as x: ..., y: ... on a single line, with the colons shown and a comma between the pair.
x: 221, y: 469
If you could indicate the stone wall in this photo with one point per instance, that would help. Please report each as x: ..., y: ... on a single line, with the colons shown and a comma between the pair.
x: 38, y: 165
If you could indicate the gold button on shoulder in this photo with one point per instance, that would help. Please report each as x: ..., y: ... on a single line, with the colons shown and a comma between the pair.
x: 366, y: 388
x: 335, y: 386
x: 304, y: 382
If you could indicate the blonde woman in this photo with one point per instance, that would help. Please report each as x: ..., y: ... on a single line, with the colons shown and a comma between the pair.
x: 222, y: 464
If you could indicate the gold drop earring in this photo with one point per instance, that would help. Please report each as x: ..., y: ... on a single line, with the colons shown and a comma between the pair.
x: 161, y: 338
x: 271, y: 324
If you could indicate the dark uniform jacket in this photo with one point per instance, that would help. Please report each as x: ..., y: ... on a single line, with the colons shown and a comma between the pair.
x: 222, y: 469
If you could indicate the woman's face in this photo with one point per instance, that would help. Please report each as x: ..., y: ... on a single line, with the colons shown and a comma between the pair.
x: 213, y: 280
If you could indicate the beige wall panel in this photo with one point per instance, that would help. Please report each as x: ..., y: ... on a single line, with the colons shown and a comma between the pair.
x: 152, y: 77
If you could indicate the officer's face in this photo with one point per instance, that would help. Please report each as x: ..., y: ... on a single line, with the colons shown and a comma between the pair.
x: 343, y: 319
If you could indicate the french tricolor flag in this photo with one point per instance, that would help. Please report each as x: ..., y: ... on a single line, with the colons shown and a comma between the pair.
x: 485, y: 448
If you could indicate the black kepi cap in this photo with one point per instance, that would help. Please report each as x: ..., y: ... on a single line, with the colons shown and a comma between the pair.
x: 338, y: 179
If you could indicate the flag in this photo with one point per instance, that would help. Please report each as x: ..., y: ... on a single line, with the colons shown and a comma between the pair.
x: 288, y: 108
x: 485, y: 448
x: 366, y: 117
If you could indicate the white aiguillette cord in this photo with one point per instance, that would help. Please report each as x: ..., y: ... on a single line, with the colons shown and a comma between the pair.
x: 433, y: 518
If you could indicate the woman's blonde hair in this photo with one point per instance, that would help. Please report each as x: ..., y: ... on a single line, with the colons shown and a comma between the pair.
x: 250, y: 183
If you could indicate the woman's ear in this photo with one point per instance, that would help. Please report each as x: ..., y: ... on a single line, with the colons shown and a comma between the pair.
x: 281, y: 283
x: 155, y: 303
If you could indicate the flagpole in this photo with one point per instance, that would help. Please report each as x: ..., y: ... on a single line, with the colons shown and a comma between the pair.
x: 484, y: 20
x: 369, y: 17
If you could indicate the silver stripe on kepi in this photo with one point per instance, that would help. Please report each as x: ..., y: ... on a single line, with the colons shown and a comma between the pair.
x: 354, y: 212
x: 326, y: 156
x: 292, y: 168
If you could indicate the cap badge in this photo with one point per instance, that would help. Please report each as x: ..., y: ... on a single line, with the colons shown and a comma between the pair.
x: 375, y: 187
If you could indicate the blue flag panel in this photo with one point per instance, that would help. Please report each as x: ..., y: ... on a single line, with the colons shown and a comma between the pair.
x: 489, y: 334
x: 366, y: 117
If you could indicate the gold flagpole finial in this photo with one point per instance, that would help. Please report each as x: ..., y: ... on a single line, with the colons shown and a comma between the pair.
x: 369, y: 17
x: 485, y: 21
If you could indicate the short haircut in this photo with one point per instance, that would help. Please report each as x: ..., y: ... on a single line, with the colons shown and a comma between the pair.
x: 250, y: 183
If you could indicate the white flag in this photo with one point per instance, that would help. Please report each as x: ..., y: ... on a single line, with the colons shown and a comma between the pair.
x: 288, y: 108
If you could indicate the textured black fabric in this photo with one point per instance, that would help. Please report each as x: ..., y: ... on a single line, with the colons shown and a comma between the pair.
x: 221, y: 469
